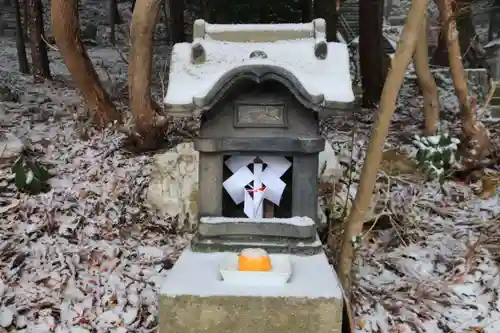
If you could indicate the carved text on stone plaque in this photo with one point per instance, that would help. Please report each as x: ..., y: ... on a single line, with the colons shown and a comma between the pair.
x: 260, y: 115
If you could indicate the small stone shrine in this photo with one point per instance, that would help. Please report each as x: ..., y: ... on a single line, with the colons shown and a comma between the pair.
x: 260, y: 90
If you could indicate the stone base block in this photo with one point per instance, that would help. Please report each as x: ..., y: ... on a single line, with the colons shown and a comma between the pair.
x: 295, y: 227
x: 194, y: 314
x: 195, y: 299
x: 300, y: 246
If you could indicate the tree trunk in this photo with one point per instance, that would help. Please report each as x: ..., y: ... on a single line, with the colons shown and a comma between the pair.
x: 402, y: 58
x: 140, y: 58
x: 39, y: 58
x: 494, y: 24
x: 469, y: 48
x: 475, y: 142
x: 66, y: 30
x: 440, y: 54
x: 20, y: 45
x: 426, y: 82
x: 168, y: 22
x: 26, y: 18
x: 370, y: 51
x: 177, y: 17
x: 327, y: 9
x: 114, y: 19
x: 205, y: 10
x: 307, y: 10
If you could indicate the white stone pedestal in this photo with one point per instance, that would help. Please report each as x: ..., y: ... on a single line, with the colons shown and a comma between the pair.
x: 195, y: 299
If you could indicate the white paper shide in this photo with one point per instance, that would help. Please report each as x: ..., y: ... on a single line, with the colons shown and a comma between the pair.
x: 264, y: 183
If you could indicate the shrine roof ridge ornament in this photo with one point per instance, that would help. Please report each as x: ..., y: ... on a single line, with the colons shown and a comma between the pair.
x: 296, y: 55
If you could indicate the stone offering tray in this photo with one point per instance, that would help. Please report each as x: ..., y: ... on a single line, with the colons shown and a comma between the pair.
x: 296, y: 235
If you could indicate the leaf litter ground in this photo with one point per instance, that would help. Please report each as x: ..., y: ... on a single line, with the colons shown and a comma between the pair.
x: 90, y: 255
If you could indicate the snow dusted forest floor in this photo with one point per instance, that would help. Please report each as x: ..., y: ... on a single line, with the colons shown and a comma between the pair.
x: 90, y: 255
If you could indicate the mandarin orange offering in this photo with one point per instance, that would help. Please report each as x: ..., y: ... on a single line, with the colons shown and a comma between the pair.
x: 255, y: 260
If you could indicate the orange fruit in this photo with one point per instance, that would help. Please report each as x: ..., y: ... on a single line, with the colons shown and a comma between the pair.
x: 255, y: 260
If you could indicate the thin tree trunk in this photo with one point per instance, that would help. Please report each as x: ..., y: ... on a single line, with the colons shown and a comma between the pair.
x: 475, y: 142
x: 402, y: 58
x: 307, y: 10
x: 39, y: 58
x: 440, y: 54
x: 26, y: 18
x: 177, y: 8
x: 327, y: 9
x: 114, y: 19
x: 469, y: 47
x: 370, y: 51
x: 168, y: 22
x: 144, y: 109
x: 66, y: 30
x: 205, y: 10
x: 494, y: 24
x: 426, y: 82
x: 491, y: 18
x: 20, y: 44
x: 468, y: 39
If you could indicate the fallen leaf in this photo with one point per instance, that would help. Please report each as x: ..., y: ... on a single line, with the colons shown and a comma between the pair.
x: 13, y: 204
x: 489, y: 188
x: 394, y: 162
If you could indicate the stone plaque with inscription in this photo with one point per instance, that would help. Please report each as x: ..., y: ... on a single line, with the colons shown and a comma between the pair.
x: 260, y: 115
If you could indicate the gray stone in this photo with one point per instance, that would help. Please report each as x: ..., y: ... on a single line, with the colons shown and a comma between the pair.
x: 173, y: 188
x: 7, y: 95
x: 195, y: 299
x: 283, y: 145
x: 493, y: 58
x: 259, y: 109
x: 3, y: 28
x: 295, y: 227
x: 192, y: 314
x: 286, y: 245
x: 89, y: 32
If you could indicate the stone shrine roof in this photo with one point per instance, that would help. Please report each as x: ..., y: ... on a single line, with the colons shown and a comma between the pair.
x: 297, y: 55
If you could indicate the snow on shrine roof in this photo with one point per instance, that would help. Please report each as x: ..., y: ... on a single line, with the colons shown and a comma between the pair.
x: 324, y: 81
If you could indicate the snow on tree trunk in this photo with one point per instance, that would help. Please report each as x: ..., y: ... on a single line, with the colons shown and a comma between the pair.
x: 402, y: 58
x: 144, y: 109
x: 20, y: 44
x: 427, y: 83
x: 475, y: 140
x: 66, y: 30
x: 39, y: 58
